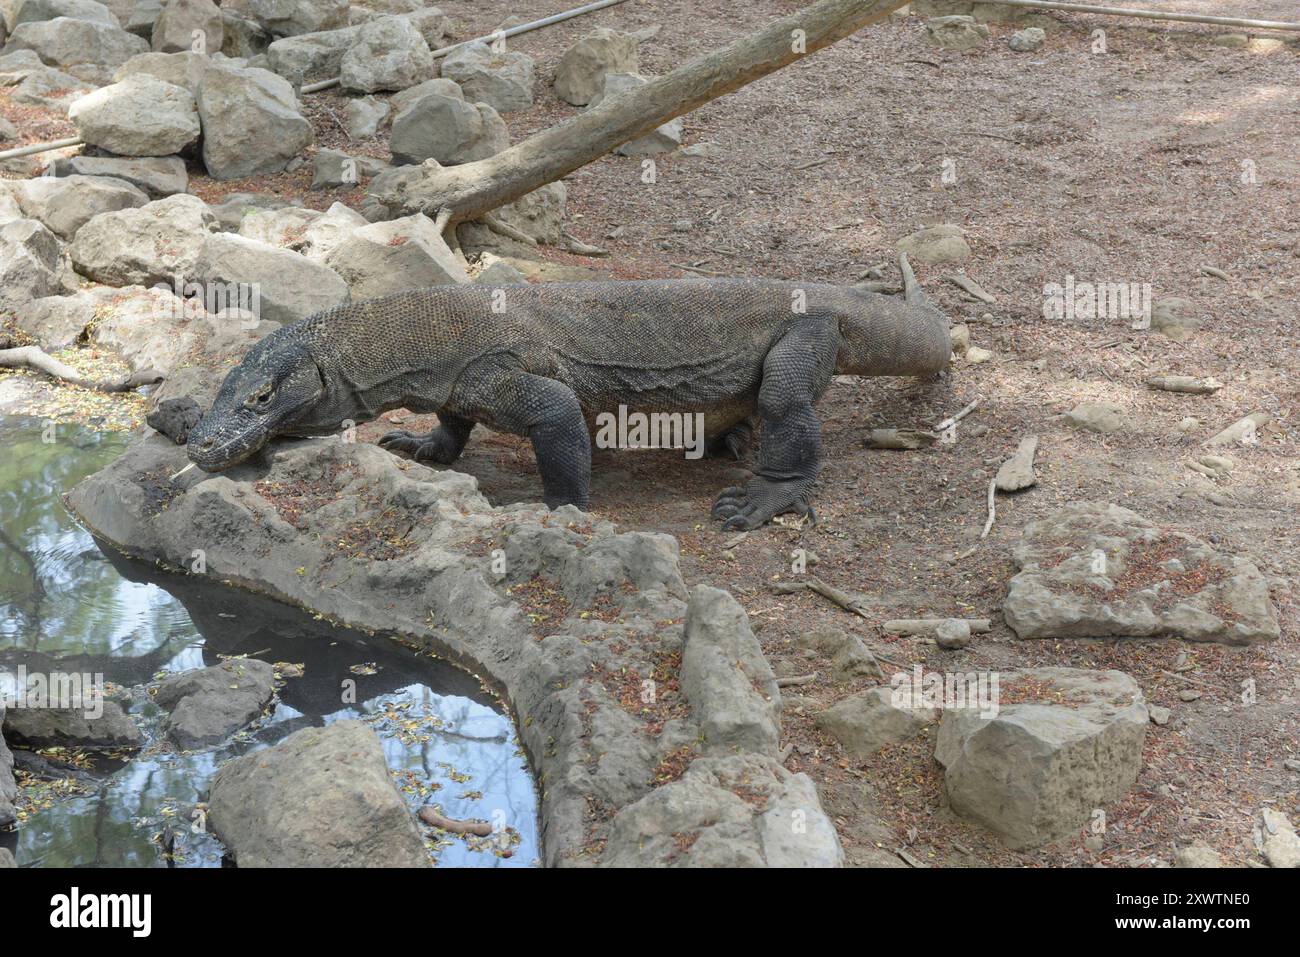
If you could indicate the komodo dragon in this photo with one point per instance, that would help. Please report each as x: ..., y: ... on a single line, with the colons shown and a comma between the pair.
x: 550, y: 357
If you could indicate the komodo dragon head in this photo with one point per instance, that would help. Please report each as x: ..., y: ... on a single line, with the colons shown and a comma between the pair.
x: 265, y: 395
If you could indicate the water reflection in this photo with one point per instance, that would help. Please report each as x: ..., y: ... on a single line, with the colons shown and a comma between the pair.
x: 66, y: 604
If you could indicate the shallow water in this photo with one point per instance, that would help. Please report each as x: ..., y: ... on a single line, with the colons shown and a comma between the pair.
x: 68, y: 605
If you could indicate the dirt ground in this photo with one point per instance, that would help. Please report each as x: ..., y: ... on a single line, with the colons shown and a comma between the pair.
x: 1143, y: 164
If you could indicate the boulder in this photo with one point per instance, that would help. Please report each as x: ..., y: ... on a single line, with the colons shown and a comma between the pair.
x: 1198, y: 855
x: 157, y: 176
x: 387, y: 257
x: 283, y: 227
x: 51, y: 89
x: 388, y: 54
x: 179, y: 69
x: 140, y: 116
x: 175, y: 418
x: 251, y: 120
x: 86, y: 724
x: 291, y: 18
x: 1017, y: 472
x: 1069, y: 742
x: 935, y: 244
x: 242, y: 36
x: 32, y: 11
x: 662, y: 139
x: 1104, y: 417
x: 447, y: 129
x: 327, y: 231
x: 289, y: 287
x: 362, y: 117
x: 956, y: 33
x: 144, y: 14
x: 182, y: 22
x: 868, y: 721
x: 65, y: 42
x: 580, y: 75
x: 1027, y: 40
x: 8, y: 785
x: 56, y: 322
x: 311, y: 57
x: 17, y: 65
x: 66, y: 203
x: 1095, y: 570
x: 722, y: 668
x: 503, y: 80
x: 29, y: 263
x: 497, y: 272
x: 208, y: 705
x: 1281, y: 843
x: 322, y: 797
x: 154, y: 243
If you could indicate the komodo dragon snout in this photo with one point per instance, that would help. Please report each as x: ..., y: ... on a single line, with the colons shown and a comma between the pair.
x: 542, y: 360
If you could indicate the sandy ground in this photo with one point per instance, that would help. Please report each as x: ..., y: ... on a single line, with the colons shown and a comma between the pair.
x: 1144, y: 164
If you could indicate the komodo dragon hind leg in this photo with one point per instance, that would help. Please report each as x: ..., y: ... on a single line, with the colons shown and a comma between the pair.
x: 734, y: 443
x: 442, y: 445
x: 795, y: 373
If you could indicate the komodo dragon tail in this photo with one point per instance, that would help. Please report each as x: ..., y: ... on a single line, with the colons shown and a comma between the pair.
x: 889, y: 336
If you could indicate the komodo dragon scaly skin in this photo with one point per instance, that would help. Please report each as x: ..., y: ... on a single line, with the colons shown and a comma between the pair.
x: 551, y: 357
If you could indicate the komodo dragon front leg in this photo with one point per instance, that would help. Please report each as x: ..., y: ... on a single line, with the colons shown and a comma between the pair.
x: 796, y: 372
x: 508, y: 399
x: 442, y: 445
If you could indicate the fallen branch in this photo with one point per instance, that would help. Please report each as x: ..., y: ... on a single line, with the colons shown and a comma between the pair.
x: 923, y: 626
x: 35, y: 358
x: 498, y: 226
x: 478, y: 828
x: 795, y: 681
x: 953, y: 420
x: 1152, y: 14
x: 988, y: 525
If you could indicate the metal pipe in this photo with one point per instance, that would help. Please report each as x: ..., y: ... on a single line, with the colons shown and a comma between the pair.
x: 511, y: 32
x: 41, y: 147
x: 1151, y: 14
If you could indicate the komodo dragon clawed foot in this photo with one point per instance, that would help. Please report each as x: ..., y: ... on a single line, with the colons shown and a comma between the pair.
x: 442, y: 445
x: 759, y: 501
x: 731, y: 444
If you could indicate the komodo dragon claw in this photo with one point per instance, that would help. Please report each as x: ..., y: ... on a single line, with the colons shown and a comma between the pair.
x: 758, y: 502
x: 436, y: 446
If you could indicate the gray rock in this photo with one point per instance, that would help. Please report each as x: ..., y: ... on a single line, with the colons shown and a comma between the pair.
x: 388, y: 257
x: 56, y: 322
x: 289, y: 287
x: 935, y: 244
x: 735, y: 811
x: 363, y: 116
x: 314, y: 56
x: 1104, y: 417
x: 1233, y: 41
x: 1242, y: 432
x: 17, y: 65
x: 242, y: 36
x: 7, y: 858
x: 580, y: 75
x: 327, y: 231
x: 50, y: 88
x: 1017, y: 472
x: 865, y: 722
x: 956, y: 33
x: 179, y: 69
x: 66, y: 43
x: 66, y: 203
x: 726, y: 678
x: 291, y: 18
x: 8, y: 786
x: 850, y: 658
x: 401, y: 100
x: 333, y: 168
x: 320, y: 798
x: 236, y: 207
x: 1036, y: 771
x: 252, y: 123
x: 180, y: 24
x: 175, y: 418
x: 144, y: 14
x: 498, y: 272
x: 663, y: 139
x: 1159, y: 716
x: 502, y: 80
x: 210, y: 704
x: 29, y: 263
x: 80, y: 726
x: 952, y: 633
x: 1173, y: 318
x: 32, y: 11
x: 1281, y: 844
x: 448, y: 130
x: 1094, y: 570
x: 1027, y: 40
x: 1198, y: 855
x: 388, y: 54
x: 152, y: 244
x: 140, y: 116
x: 157, y: 176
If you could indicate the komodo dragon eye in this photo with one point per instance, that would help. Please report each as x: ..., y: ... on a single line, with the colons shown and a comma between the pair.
x: 259, y: 398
